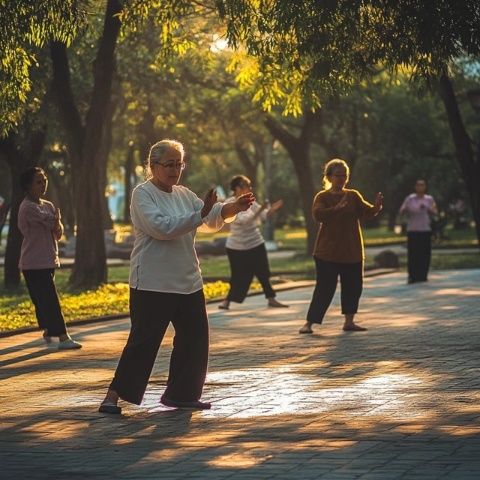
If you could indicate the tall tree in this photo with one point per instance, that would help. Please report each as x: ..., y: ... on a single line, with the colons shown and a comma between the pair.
x: 25, y: 26
x: 86, y: 144
x: 330, y: 46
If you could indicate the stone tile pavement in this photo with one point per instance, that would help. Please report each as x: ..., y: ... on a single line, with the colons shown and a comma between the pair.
x: 399, y: 401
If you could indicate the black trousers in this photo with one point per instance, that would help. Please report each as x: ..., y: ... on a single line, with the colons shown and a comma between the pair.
x: 151, y: 313
x: 41, y: 287
x: 419, y: 254
x: 244, y: 265
x: 351, y: 278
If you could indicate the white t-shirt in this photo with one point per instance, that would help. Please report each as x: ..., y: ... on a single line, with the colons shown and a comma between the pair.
x: 163, y: 257
x: 244, y: 231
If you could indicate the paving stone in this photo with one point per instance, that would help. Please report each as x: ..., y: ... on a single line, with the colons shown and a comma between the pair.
x: 401, y: 400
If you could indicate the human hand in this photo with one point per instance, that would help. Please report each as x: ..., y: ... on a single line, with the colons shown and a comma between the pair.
x: 208, y: 202
x: 378, y: 201
x: 244, y: 202
x: 342, y: 203
x: 276, y: 205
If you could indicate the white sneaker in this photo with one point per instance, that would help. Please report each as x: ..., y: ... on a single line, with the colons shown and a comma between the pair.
x: 69, y: 344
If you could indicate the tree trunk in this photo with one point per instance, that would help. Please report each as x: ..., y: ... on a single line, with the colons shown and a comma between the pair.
x: 469, y: 165
x: 146, y: 132
x: 299, y: 152
x: 18, y: 160
x: 248, y: 165
x: 128, y: 181
x: 85, y: 144
x: 301, y: 163
x: 106, y: 146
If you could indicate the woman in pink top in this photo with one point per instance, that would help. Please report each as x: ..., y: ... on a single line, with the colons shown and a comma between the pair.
x: 418, y: 207
x: 41, y: 227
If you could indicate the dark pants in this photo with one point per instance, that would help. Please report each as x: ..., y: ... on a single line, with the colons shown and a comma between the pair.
x: 419, y: 254
x: 351, y: 278
x: 41, y: 287
x: 151, y: 313
x: 244, y: 265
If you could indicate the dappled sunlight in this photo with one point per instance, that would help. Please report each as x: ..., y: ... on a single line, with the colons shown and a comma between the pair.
x: 325, y: 444
x: 281, y: 391
x: 408, y: 387
x: 216, y: 438
x: 159, y: 455
x: 458, y: 292
x: 58, y: 429
x: 240, y: 459
x: 123, y: 441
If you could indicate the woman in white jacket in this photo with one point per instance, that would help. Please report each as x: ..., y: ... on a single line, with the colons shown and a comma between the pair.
x: 246, y: 247
x: 166, y: 284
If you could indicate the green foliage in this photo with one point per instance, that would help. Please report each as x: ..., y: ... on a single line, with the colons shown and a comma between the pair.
x: 25, y: 26
x: 334, y: 45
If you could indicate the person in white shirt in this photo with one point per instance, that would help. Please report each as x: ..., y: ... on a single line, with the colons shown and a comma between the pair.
x: 166, y: 283
x: 246, y: 247
x: 418, y: 207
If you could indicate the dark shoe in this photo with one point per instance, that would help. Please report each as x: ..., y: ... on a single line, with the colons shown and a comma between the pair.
x: 110, y: 408
x: 225, y: 305
x: 195, y: 405
x: 272, y: 302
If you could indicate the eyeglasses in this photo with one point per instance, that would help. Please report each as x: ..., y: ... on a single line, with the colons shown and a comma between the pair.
x: 175, y: 165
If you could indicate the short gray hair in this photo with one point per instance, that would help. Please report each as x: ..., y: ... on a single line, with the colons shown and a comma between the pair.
x: 158, y: 150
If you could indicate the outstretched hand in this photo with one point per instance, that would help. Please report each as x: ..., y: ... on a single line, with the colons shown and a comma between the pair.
x: 276, y: 205
x: 378, y: 201
x: 244, y: 202
x: 208, y: 202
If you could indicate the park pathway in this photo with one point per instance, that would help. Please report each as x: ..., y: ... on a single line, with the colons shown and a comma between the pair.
x: 399, y: 401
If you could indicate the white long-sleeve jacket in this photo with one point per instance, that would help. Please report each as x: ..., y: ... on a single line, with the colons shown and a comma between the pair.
x: 163, y: 257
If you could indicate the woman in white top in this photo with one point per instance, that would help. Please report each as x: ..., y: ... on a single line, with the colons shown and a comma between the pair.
x: 246, y: 247
x: 418, y: 207
x: 166, y: 284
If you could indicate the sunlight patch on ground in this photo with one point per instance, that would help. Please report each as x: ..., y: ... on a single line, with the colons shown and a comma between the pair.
x: 236, y: 460
x: 268, y: 392
x: 457, y: 292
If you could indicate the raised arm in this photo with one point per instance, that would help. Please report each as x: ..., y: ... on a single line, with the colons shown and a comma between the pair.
x: 241, y: 204
x: 32, y: 213
x: 367, y: 210
x: 433, y: 207
x: 159, y: 224
x: 322, y: 212
x: 58, y: 228
x: 404, y: 208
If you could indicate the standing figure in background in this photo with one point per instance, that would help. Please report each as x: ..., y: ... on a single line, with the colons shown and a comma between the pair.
x: 40, y: 224
x: 246, y: 248
x: 418, y: 207
x: 166, y: 284
x: 339, y: 245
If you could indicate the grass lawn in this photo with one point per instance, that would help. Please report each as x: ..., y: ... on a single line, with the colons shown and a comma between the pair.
x: 16, y: 310
x: 295, y: 238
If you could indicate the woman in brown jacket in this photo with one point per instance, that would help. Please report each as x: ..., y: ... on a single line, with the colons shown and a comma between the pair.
x: 339, y: 245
